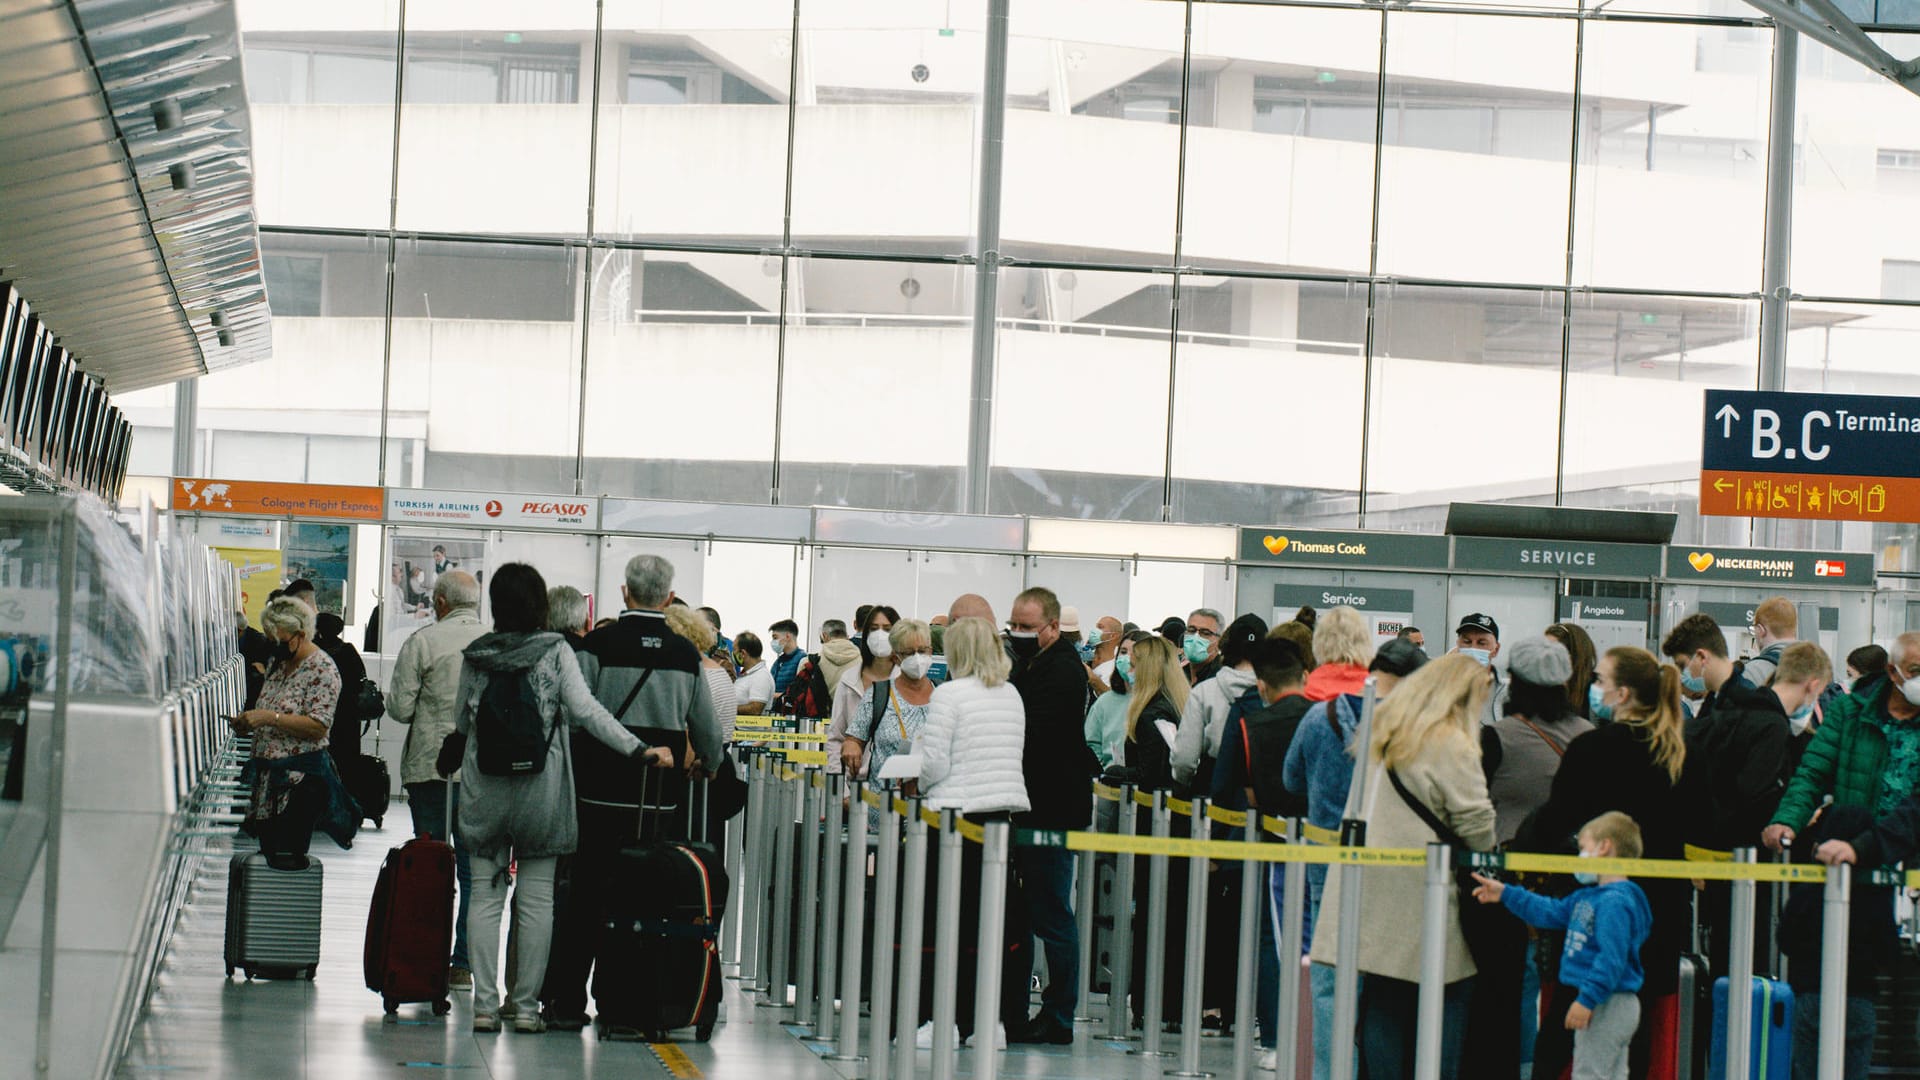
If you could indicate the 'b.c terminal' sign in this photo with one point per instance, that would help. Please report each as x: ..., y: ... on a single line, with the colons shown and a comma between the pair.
x: 1829, y: 457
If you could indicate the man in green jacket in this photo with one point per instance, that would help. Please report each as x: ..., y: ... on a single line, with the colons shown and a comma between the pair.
x: 1866, y: 752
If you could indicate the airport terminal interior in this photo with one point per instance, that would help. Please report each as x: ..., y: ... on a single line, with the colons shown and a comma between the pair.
x: 1035, y: 516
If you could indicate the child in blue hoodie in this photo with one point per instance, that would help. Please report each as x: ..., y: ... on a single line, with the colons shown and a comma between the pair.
x: 1606, y: 923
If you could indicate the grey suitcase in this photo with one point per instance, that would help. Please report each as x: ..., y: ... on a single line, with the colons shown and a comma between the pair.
x: 273, y: 917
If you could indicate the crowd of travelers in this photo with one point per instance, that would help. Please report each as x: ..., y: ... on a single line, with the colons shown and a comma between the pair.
x: 1558, y: 748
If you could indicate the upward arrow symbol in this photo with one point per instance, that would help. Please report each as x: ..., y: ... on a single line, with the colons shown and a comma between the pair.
x: 1727, y: 415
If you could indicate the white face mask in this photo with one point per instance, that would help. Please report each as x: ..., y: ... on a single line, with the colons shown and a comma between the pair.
x: 916, y: 666
x: 1910, y: 689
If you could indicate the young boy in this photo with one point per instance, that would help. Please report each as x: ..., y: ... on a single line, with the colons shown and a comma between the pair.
x: 1606, y: 923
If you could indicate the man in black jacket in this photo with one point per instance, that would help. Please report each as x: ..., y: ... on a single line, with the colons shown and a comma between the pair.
x: 1052, y: 682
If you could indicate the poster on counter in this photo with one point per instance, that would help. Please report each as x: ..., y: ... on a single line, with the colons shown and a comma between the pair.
x: 259, y: 572
x: 320, y: 553
x: 415, y: 563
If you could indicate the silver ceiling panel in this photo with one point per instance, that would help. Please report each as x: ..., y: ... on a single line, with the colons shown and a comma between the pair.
x: 126, y: 185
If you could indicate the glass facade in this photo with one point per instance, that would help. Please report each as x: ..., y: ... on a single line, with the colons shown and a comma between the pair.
x: 1326, y: 264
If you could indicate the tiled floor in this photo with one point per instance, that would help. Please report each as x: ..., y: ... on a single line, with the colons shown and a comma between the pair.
x: 203, y: 1024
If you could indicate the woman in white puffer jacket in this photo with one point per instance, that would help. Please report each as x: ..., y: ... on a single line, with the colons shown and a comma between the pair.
x: 972, y: 760
x: 973, y: 746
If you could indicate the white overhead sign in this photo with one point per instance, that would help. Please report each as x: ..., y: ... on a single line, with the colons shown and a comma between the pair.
x: 492, y: 510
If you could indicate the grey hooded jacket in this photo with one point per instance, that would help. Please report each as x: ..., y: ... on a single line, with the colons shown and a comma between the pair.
x: 531, y: 815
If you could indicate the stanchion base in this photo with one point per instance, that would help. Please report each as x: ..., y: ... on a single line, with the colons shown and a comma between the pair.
x: 853, y: 1058
x: 1187, y: 1075
x: 1143, y: 1052
x: 823, y: 1039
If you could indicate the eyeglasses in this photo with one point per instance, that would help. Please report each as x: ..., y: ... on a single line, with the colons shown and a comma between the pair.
x: 1203, y: 631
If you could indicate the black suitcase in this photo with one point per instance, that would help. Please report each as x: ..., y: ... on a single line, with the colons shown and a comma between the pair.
x: 659, y: 962
x: 370, y: 783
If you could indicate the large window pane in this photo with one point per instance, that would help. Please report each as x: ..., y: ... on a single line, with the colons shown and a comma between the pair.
x: 878, y: 373
x: 1673, y: 160
x: 1478, y: 138
x: 1080, y: 396
x: 693, y: 121
x: 884, y: 153
x: 1466, y: 400
x: 495, y: 128
x: 312, y: 412
x: 1275, y: 176
x: 485, y: 386
x: 1634, y: 390
x: 1092, y: 161
x: 321, y: 107
x: 150, y: 412
x: 1857, y: 171
x: 681, y: 376
x: 1247, y: 349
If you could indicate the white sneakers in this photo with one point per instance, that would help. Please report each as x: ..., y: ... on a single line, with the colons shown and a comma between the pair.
x: 923, y: 1039
x: 1268, y: 1060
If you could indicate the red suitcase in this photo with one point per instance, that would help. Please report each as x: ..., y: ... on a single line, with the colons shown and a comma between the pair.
x: 410, y: 925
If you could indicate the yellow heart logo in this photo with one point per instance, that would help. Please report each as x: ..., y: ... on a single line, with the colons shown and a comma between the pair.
x: 1276, y: 544
x: 1701, y: 560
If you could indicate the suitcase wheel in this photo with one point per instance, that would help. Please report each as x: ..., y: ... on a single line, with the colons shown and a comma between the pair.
x: 312, y: 971
x: 248, y: 972
x: 389, y: 1005
x: 704, y: 1032
x: 378, y: 822
x: 442, y: 1007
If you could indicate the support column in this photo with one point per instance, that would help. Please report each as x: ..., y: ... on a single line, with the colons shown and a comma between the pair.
x: 1777, y: 254
x: 986, y: 287
x: 186, y: 425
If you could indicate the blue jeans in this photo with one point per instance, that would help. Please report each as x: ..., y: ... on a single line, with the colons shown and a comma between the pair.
x: 1389, y: 1015
x: 1046, y: 877
x: 1266, y: 1000
x: 1806, y: 1037
x: 428, y: 804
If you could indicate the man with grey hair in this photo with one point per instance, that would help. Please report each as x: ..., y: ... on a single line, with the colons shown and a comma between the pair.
x: 426, y: 679
x: 1201, y: 646
x: 649, y: 678
x: 567, y: 615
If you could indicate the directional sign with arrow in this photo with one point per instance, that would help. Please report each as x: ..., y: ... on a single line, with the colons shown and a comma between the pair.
x: 1832, y: 457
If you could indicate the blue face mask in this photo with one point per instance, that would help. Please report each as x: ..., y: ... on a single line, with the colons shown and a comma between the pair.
x: 1693, y: 684
x: 1584, y: 877
x: 1483, y: 656
x: 1596, y: 707
x: 1195, y: 647
x: 1086, y: 652
x: 1123, y: 665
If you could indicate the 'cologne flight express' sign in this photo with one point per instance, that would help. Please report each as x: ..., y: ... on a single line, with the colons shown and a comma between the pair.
x: 1826, y: 457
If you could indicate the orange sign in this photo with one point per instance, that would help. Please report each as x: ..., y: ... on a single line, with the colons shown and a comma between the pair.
x: 1808, y: 496
x: 258, y: 498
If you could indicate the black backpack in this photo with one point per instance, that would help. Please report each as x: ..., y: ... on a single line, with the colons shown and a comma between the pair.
x: 512, y: 734
x: 807, y: 696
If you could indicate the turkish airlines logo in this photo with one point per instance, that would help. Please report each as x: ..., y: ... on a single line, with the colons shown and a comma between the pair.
x: 494, y: 508
x: 555, y: 509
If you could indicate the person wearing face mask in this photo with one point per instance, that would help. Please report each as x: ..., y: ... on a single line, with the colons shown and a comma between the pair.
x: 753, y: 687
x: 1866, y: 751
x: 1106, y: 725
x: 894, y: 710
x: 1204, y: 720
x: 1105, y: 641
x: 1633, y: 765
x: 1737, y: 757
x: 787, y: 654
x: 1059, y: 772
x: 1776, y: 622
x: 1200, y: 646
x: 876, y: 666
x: 1478, y: 636
x: 292, y: 775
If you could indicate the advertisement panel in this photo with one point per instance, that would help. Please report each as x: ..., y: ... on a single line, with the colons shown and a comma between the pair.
x: 492, y: 510
x: 264, y: 499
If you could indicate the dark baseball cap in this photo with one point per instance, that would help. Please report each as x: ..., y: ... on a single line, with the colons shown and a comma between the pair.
x: 1398, y: 657
x: 1174, y: 629
x: 1242, y: 634
x: 1477, y: 621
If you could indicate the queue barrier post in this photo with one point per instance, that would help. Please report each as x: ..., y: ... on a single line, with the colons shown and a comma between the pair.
x: 1253, y: 880
x: 913, y: 909
x: 992, y: 940
x: 1120, y: 968
x: 1433, y: 962
x: 730, y: 840
x: 1740, y: 969
x: 1156, y: 915
x: 1193, y: 984
x: 853, y: 916
x: 826, y: 1017
x: 747, y: 942
x: 769, y: 844
x: 788, y: 805
x: 886, y: 888
x: 946, y: 949
x: 1834, y: 924
x: 803, y: 982
x: 1290, y: 939
x: 1085, y: 875
x: 1353, y: 833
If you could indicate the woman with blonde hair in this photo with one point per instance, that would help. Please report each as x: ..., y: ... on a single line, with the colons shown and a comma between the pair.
x: 1424, y: 765
x: 1342, y: 647
x: 694, y: 627
x: 1631, y: 765
x: 972, y: 749
x: 1158, y: 698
